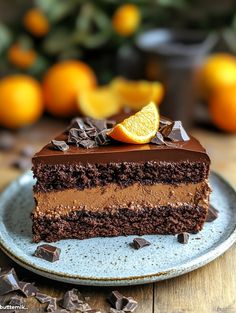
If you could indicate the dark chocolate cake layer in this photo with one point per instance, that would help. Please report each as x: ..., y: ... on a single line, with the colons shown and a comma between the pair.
x: 63, y: 176
x: 84, y: 224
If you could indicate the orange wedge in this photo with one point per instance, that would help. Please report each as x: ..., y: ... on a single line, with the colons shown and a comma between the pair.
x: 136, y: 94
x: 139, y: 128
x: 99, y: 103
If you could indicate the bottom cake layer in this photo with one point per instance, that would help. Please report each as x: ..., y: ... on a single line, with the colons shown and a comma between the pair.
x: 82, y: 224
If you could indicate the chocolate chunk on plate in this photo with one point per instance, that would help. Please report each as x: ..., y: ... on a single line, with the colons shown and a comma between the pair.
x: 8, y: 282
x: 183, y: 238
x: 59, y: 145
x: 28, y: 289
x: 212, y: 214
x: 139, y: 243
x: 48, y: 252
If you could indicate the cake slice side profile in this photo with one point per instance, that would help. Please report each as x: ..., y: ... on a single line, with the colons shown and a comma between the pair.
x: 112, y: 188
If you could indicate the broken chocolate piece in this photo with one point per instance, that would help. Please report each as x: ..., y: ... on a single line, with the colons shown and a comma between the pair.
x: 71, y: 300
x: 102, y: 138
x: 42, y: 298
x: 183, y: 238
x: 8, y: 282
x: 77, y: 123
x: 28, y: 289
x: 93, y: 311
x: 212, y: 214
x: 7, y: 141
x: 175, y: 132
x: 48, y: 252
x: 139, y: 243
x: 88, y: 144
x: 130, y: 306
x: 16, y: 301
x: 158, y: 139
x: 116, y: 300
x: 52, y: 305
x: 59, y: 145
x: 83, y: 307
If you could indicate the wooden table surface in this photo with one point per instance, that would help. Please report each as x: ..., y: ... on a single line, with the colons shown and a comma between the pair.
x: 208, y: 289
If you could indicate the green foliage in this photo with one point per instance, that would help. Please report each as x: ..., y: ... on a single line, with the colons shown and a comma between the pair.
x: 83, y: 29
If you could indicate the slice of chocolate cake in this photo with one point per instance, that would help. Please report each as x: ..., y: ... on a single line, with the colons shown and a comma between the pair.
x: 89, y: 185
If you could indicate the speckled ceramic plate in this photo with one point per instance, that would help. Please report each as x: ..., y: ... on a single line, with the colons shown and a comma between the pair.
x: 111, y: 261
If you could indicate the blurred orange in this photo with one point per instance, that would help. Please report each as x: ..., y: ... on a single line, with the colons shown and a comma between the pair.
x: 219, y: 70
x: 20, y: 57
x: 99, y: 103
x: 62, y: 84
x: 36, y: 22
x: 126, y: 19
x: 20, y: 101
x: 136, y: 94
x: 222, y: 107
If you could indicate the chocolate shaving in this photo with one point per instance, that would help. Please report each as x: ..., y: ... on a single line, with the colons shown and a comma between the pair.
x: 183, y: 238
x: 212, y: 214
x: 48, y: 252
x: 8, y: 282
x: 158, y: 139
x: 116, y: 299
x: 28, y: 289
x: 77, y: 123
x: 59, y: 145
x: 175, y: 132
x: 139, y: 243
x: 76, y: 135
x: 102, y: 138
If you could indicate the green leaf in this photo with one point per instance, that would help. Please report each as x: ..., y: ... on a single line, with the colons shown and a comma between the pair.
x: 57, y: 41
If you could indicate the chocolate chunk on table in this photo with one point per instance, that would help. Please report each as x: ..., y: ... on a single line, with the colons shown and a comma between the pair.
x: 116, y: 299
x: 139, y: 243
x: 48, y: 252
x: 42, y: 298
x: 212, y: 214
x: 8, y: 282
x: 59, y: 145
x: 52, y: 305
x: 71, y: 301
x: 183, y: 238
x: 28, y: 289
x: 112, y: 310
x: 16, y: 301
x: 130, y: 306
x: 93, y: 311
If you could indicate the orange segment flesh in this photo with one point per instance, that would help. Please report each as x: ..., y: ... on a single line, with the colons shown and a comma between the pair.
x: 136, y: 94
x: 139, y: 128
x: 99, y: 103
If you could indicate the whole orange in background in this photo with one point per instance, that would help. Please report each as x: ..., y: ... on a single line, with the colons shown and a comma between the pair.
x: 62, y: 84
x: 222, y: 107
x: 126, y: 19
x: 20, y: 101
x: 218, y: 70
x: 36, y: 22
x: 20, y: 57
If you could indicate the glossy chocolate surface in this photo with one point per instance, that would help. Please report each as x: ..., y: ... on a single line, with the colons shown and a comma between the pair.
x: 117, y: 152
